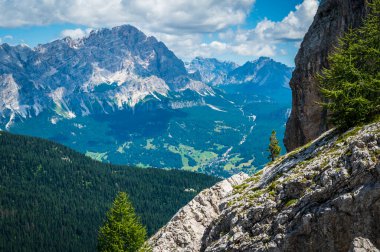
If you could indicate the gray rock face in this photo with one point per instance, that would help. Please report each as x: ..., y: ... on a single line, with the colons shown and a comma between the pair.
x: 261, y: 72
x: 185, y: 230
x: 361, y: 244
x: 323, y: 197
x: 211, y: 71
x: 308, y: 120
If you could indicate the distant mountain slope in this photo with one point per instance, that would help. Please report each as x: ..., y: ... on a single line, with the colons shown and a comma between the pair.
x: 261, y: 72
x: 211, y: 70
x: 54, y: 199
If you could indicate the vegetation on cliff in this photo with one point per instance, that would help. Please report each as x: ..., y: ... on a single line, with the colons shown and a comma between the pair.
x: 351, y: 84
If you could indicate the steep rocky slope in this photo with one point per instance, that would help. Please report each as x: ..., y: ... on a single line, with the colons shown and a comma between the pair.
x: 186, y: 228
x: 308, y: 120
x: 323, y: 197
x: 211, y: 70
x: 263, y: 72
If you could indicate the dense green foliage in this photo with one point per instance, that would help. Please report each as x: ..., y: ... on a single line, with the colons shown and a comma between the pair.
x: 274, y: 147
x: 122, y: 230
x: 54, y: 199
x: 351, y: 84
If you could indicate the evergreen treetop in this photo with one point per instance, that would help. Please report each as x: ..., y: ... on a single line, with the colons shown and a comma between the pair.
x: 122, y: 230
x: 351, y: 85
x: 274, y: 147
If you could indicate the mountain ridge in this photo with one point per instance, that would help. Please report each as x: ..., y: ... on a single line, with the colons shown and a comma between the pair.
x: 137, y: 65
x: 255, y: 72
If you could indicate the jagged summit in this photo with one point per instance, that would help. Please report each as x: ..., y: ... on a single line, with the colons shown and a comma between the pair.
x: 263, y: 71
x: 211, y: 70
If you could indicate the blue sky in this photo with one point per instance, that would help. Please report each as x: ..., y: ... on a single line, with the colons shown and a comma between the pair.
x: 235, y: 30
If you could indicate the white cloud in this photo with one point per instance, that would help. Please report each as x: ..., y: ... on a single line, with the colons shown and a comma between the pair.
x: 292, y: 28
x: 263, y: 40
x: 189, y: 28
x: 168, y: 16
x: 6, y: 38
x: 76, y: 33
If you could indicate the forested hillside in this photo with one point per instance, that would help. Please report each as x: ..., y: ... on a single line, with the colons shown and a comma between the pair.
x: 54, y: 199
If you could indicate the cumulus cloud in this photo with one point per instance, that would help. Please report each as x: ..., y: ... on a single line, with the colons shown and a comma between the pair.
x: 189, y: 28
x: 263, y: 40
x: 76, y: 33
x: 169, y: 16
x: 292, y: 28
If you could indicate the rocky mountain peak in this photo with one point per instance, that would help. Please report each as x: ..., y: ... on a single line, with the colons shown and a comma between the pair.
x: 123, y: 62
x: 211, y: 70
x: 260, y: 72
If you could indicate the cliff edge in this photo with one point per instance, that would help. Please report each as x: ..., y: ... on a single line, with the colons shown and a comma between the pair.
x: 308, y: 119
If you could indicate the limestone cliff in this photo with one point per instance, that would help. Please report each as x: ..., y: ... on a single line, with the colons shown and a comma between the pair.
x: 322, y: 197
x: 308, y: 120
x: 185, y: 230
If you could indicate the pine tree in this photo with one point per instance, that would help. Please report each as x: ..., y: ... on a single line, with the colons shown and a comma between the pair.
x: 274, y: 148
x: 351, y: 85
x: 122, y: 230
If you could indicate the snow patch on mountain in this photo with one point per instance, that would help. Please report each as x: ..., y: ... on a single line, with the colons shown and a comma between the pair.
x: 198, y: 87
x: 187, y: 104
x: 216, y: 108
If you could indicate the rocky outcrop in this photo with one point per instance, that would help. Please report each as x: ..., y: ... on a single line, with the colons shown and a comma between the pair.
x: 185, y: 230
x: 323, y: 197
x: 361, y: 244
x: 308, y: 120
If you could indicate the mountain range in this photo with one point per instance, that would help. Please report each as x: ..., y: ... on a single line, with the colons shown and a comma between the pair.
x: 123, y: 97
x: 108, y: 70
x: 261, y: 72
